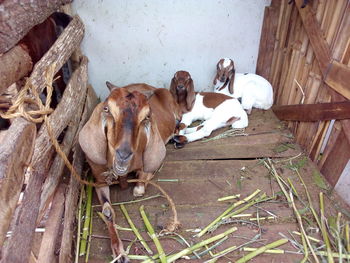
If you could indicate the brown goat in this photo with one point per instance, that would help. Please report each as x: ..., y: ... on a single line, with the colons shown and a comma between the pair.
x: 225, y: 75
x: 127, y: 133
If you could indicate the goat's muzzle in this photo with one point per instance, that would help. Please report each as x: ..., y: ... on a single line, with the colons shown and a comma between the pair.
x: 121, y: 162
x: 223, y: 79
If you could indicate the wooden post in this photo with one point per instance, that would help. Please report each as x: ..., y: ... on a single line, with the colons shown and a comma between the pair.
x: 18, y: 17
x: 74, y: 186
x: 19, y: 245
x: 15, y: 154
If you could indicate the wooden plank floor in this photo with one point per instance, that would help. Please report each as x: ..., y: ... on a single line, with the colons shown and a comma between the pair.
x: 206, y: 171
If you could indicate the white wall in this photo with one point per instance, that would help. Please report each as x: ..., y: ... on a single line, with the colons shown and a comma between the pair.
x: 129, y: 41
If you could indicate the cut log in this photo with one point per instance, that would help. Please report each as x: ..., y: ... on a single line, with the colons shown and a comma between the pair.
x: 15, y: 154
x: 18, y: 17
x: 19, y: 245
x: 47, y: 248
x: 313, y: 112
x: 74, y: 186
x: 14, y: 65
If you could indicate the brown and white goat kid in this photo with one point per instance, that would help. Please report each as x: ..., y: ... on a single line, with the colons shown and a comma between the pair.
x: 216, y: 110
x: 127, y: 133
x: 254, y: 90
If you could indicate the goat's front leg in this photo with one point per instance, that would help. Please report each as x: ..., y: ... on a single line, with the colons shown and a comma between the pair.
x: 140, y: 188
x: 109, y: 214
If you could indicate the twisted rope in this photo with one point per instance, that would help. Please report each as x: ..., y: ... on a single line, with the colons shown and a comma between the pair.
x: 39, y: 116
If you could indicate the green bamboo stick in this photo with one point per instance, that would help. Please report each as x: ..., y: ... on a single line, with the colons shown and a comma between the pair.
x: 225, y: 198
x: 300, y: 222
x: 79, y: 225
x: 228, y: 210
x: 334, y: 254
x: 135, y: 230
x: 90, y: 234
x: 324, y: 231
x: 153, y: 235
x: 86, y: 226
x: 186, y: 251
x: 251, y: 203
x: 278, y: 179
x: 140, y: 257
x: 262, y: 250
x: 313, y: 211
x: 306, y: 251
x: 340, y: 246
x: 268, y: 251
x: 347, y: 239
x: 309, y: 237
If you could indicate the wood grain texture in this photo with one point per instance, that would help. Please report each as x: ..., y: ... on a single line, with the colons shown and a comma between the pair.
x: 14, y: 65
x: 15, y: 154
x: 19, y: 16
x: 313, y: 112
x: 338, y: 77
x: 74, y: 186
x: 49, y: 240
x: 19, y: 245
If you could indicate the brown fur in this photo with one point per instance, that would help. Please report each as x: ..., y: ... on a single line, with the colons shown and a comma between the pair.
x: 225, y: 74
x: 212, y: 100
x: 182, y: 89
x: 129, y: 130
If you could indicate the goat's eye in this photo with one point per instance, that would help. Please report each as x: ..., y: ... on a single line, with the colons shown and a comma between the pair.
x: 105, y: 109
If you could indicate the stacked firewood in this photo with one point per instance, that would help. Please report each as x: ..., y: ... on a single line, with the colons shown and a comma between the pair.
x: 32, y: 187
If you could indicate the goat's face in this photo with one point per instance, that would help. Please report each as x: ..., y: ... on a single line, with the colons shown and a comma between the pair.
x: 183, y: 90
x: 225, y: 68
x: 127, y: 123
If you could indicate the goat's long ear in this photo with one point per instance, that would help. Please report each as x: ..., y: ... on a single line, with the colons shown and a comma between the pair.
x: 154, y: 152
x: 217, y: 73
x: 92, y: 138
x: 232, y: 80
x: 111, y: 86
x: 190, y: 95
x: 173, y: 89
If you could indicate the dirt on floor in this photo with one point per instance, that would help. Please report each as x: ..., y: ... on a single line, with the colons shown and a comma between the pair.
x: 200, y: 173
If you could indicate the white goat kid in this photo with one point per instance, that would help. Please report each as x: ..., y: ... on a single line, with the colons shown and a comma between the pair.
x: 228, y: 112
x: 254, y: 90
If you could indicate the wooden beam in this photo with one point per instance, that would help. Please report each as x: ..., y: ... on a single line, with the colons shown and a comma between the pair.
x: 316, y: 36
x: 18, y: 17
x: 313, y: 112
x: 338, y: 77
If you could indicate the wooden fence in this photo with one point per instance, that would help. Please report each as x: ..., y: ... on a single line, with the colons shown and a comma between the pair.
x: 305, y: 54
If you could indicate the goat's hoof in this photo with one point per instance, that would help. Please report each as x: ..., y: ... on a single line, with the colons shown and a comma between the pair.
x: 178, y: 145
x: 139, y: 190
x: 180, y: 139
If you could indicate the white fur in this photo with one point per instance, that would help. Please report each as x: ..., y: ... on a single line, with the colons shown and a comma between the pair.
x: 254, y: 90
x: 213, y: 118
x: 227, y: 62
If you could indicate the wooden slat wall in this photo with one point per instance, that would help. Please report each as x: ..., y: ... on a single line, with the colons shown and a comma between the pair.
x: 295, y: 58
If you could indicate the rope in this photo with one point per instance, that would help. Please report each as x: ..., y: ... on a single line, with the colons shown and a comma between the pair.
x: 18, y: 110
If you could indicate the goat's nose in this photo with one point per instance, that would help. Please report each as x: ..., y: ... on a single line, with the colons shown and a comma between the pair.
x: 180, y: 86
x: 123, y: 154
x: 223, y: 79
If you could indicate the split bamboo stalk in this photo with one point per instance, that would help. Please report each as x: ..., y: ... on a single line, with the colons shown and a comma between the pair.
x: 262, y: 250
x: 87, y: 220
x: 324, y: 231
x: 228, y: 210
x: 153, y: 235
x: 172, y: 258
x: 135, y: 230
